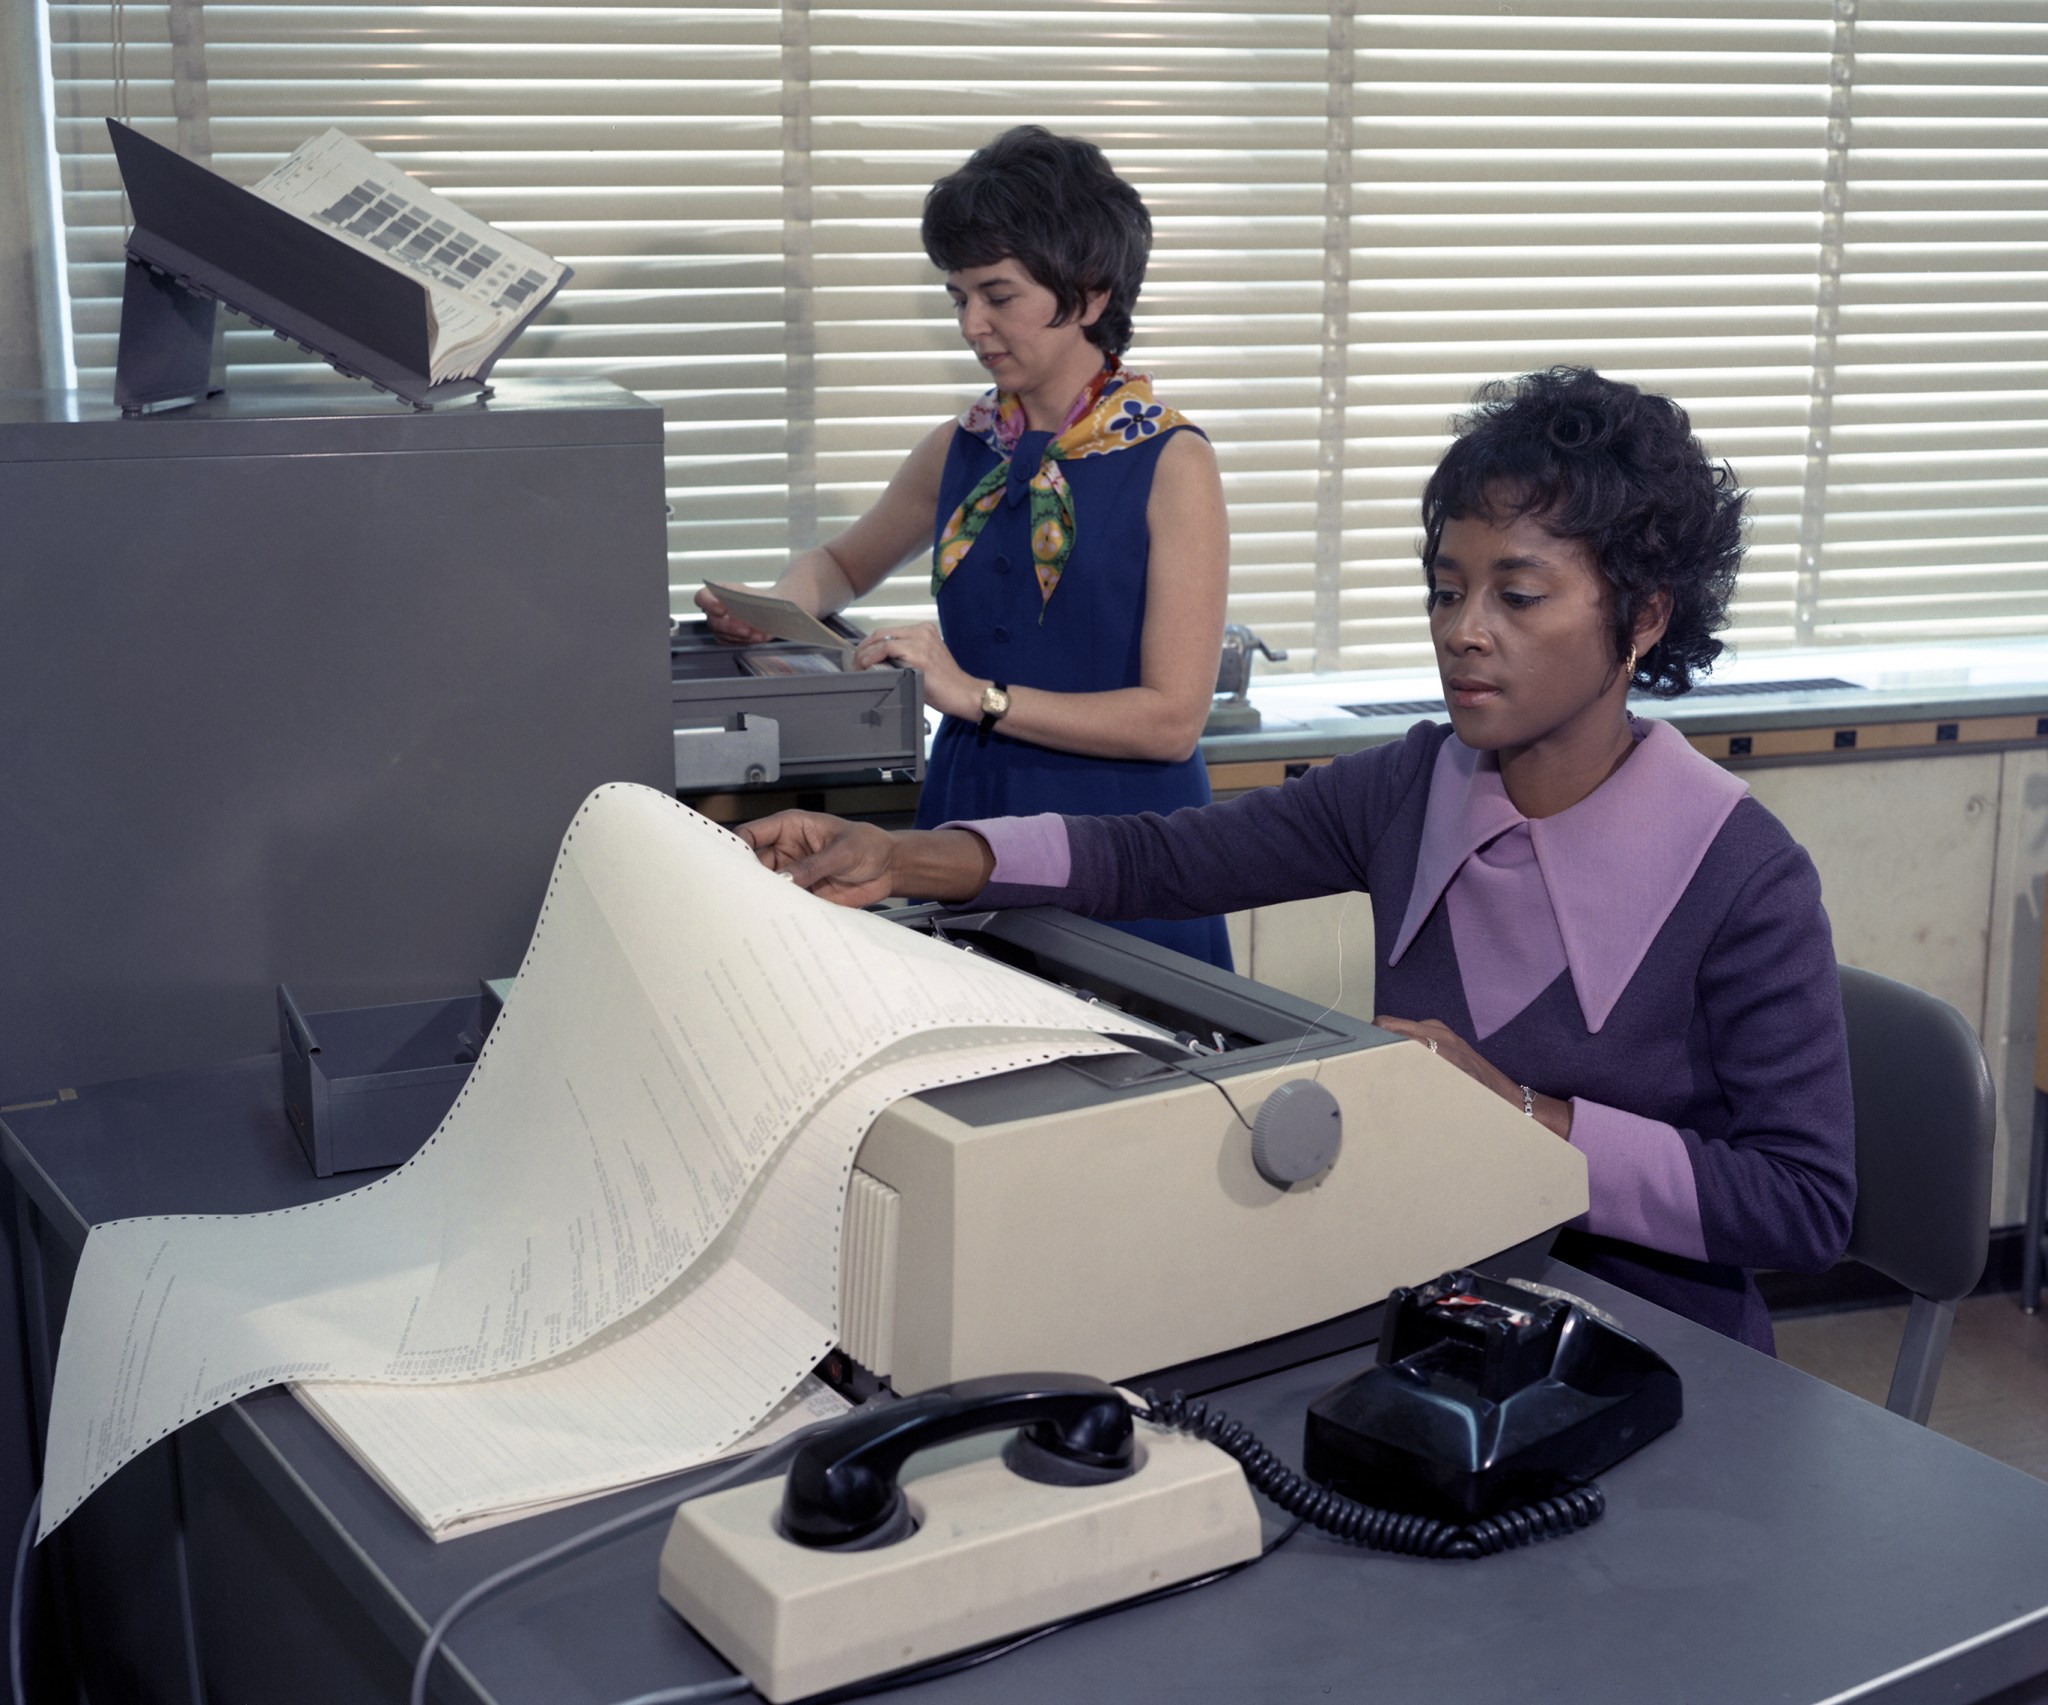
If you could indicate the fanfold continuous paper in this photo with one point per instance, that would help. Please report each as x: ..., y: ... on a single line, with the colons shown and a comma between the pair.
x: 680, y: 1015
x: 690, y: 1375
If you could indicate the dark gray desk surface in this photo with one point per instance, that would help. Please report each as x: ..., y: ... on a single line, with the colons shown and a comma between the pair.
x: 1787, y: 1543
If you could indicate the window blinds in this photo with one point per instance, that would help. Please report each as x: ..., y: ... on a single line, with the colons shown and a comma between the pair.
x: 1933, y: 490
x: 1818, y: 223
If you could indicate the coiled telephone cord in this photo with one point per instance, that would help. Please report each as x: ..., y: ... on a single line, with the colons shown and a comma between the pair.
x: 1360, y: 1524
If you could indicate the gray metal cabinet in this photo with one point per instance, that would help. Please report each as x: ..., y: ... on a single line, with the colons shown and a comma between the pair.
x: 300, y: 685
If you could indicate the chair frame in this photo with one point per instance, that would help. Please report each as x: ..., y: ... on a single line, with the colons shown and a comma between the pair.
x: 1926, y: 1121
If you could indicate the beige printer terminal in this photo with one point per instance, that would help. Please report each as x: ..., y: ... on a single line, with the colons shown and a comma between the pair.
x: 1109, y: 1215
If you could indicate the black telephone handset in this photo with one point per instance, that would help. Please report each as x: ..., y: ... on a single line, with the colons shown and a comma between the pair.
x: 842, y: 1487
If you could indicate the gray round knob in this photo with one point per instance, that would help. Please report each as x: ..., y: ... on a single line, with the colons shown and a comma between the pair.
x: 1297, y: 1132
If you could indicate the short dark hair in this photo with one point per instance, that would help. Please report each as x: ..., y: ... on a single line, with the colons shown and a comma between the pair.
x: 1618, y: 470
x: 1052, y: 204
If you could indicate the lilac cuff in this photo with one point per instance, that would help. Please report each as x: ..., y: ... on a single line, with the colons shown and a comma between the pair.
x: 1031, y: 852
x: 1639, y: 1180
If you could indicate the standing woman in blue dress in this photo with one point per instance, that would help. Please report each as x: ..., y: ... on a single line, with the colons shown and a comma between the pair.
x: 1075, y: 526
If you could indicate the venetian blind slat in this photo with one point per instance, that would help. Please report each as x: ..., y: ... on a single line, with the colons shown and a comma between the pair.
x: 1612, y: 182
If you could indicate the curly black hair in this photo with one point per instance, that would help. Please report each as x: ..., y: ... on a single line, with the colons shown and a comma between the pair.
x: 1052, y: 204
x: 1618, y: 470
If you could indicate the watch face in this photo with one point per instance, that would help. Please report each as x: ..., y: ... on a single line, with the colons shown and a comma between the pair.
x: 995, y: 702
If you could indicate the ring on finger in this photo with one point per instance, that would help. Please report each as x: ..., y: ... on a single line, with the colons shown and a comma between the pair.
x: 1430, y: 1041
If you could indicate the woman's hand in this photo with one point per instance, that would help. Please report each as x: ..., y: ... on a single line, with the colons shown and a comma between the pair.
x: 948, y: 688
x: 724, y: 625
x: 1553, y: 1115
x: 849, y: 864
x: 856, y: 864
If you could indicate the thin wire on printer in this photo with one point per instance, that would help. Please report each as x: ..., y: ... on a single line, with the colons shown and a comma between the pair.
x: 1191, y: 1070
x: 1317, y: 1075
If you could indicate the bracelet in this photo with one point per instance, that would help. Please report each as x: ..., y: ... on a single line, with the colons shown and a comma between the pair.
x: 1528, y: 1102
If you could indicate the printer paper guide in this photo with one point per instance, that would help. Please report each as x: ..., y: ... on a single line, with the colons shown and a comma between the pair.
x: 679, y: 1013
x: 686, y: 1378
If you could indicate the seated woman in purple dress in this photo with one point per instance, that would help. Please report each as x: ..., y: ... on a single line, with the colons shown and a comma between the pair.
x: 1075, y: 527
x: 1570, y: 904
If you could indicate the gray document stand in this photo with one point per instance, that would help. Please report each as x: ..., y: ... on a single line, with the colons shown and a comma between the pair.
x: 1787, y: 1545
x: 199, y: 239
x: 298, y: 685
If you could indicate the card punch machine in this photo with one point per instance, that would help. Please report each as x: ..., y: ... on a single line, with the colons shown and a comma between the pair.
x: 791, y: 711
x: 1240, y: 1198
x: 749, y: 715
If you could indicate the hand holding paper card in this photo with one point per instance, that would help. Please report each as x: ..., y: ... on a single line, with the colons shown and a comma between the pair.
x: 778, y: 616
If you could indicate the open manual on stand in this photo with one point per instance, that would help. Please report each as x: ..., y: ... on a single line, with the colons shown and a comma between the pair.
x: 620, y: 1253
x: 481, y: 284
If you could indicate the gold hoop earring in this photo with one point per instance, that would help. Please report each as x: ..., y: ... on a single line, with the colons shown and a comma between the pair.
x: 1628, y: 669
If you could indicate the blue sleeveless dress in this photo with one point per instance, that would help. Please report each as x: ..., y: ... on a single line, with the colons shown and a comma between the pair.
x: 1086, y: 642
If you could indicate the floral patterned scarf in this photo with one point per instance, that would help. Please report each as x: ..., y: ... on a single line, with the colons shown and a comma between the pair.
x: 1115, y: 412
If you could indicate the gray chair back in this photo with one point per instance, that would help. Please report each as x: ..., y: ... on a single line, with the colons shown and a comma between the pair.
x: 1925, y: 1122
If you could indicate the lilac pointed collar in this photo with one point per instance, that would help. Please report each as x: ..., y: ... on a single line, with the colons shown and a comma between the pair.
x: 1614, y: 864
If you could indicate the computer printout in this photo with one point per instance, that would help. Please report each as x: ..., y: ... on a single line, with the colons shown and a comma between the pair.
x: 679, y: 1015
x: 687, y: 1377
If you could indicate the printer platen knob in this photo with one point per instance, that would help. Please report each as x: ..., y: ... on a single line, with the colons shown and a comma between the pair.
x: 1297, y: 1132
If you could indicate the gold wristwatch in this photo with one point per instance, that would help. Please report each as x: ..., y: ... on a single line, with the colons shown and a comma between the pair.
x: 995, y: 705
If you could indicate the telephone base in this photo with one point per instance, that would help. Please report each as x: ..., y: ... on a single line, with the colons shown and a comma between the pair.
x: 994, y: 1554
